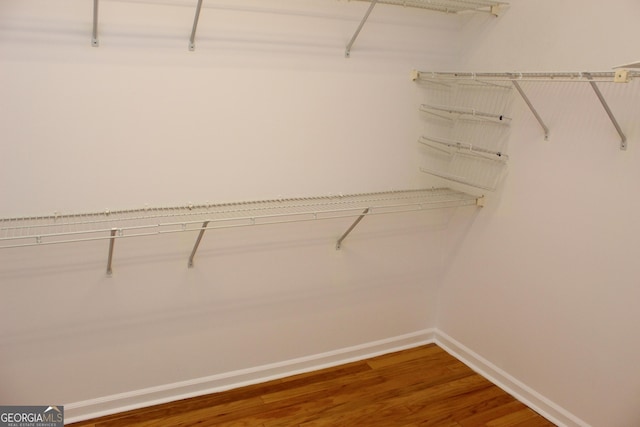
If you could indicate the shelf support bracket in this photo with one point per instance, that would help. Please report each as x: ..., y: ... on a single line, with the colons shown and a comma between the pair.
x: 112, y: 241
x: 346, y: 233
x: 532, y: 108
x: 192, y: 39
x: 195, y: 246
x: 347, y: 52
x: 94, y: 36
x: 596, y: 89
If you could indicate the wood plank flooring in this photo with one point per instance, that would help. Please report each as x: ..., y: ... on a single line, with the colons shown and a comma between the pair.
x: 423, y: 386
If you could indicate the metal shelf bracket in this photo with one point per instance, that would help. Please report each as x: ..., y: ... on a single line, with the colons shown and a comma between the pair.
x: 192, y: 39
x: 198, y: 240
x: 350, y: 229
x: 112, y: 241
x: 347, y: 52
x: 532, y: 108
x: 596, y: 89
x: 94, y: 36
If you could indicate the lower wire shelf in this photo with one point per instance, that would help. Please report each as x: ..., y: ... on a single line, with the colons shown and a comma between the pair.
x: 113, y: 225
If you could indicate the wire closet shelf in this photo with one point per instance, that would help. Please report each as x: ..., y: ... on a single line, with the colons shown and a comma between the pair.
x: 81, y: 227
x: 448, y: 6
x: 573, y: 77
x: 513, y: 79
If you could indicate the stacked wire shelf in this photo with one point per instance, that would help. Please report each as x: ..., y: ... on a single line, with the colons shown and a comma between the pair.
x: 466, y: 131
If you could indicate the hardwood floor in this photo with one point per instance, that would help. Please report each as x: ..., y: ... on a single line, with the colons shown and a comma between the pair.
x: 424, y: 386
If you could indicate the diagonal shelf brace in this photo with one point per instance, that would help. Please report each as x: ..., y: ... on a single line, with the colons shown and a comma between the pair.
x: 192, y: 39
x: 347, y: 52
x: 532, y: 108
x: 195, y: 246
x: 94, y: 36
x: 596, y: 89
x: 112, y: 241
x: 346, y: 233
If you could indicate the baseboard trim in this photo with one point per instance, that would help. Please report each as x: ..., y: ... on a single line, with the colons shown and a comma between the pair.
x: 508, y: 383
x: 87, y: 409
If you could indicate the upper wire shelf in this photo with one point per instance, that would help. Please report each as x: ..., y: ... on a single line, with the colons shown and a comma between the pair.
x: 619, y: 76
x: 112, y: 225
x: 515, y: 78
x: 449, y: 6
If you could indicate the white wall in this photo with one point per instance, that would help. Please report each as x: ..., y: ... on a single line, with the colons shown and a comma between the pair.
x: 544, y: 281
x: 267, y: 96
x: 266, y: 106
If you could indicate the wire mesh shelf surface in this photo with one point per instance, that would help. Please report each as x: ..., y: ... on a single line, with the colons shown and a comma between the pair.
x: 514, y: 79
x: 448, y: 6
x: 53, y: 229
x: 466, y: 131
x: 460, y: 113
x: 488, y: 77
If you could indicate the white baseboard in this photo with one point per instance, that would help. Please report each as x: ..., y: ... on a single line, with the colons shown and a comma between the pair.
x: 508, y: 383
x: 80, y: 411
x: 87, y: 409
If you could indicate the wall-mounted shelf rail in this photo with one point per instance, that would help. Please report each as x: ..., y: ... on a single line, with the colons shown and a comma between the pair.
x: 447, y: 6
x: 114, y: 225
x: 592, y: 78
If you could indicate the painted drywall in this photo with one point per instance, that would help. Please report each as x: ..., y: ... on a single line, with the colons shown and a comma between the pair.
x: 544, y: 281
x: 266, y: 106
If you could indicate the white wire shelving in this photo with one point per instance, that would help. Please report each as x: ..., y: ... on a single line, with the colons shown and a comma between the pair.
x: 515, y: 78
x: 112, y: 225
x: 446, y: 6
x: 467, y: 131
x: 449, y: 6
x: 448, y: 144
x: 461, y: 113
